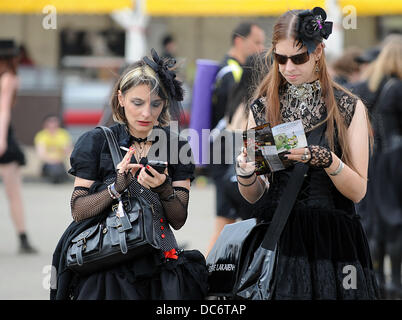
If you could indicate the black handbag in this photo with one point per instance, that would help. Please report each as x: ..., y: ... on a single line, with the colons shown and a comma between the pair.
x: 241, y: 265
x: 127, y: 231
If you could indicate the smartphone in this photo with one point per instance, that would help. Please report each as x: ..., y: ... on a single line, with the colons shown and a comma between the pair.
x: 159, y: 166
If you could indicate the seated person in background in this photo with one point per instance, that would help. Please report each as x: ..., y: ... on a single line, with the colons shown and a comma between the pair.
x: 53, y: 146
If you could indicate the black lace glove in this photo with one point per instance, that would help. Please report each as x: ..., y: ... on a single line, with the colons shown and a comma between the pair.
x: 320, y: 157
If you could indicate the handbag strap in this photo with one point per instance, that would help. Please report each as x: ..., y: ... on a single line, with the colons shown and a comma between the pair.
x: 289, y: 196
x: 113, y: 145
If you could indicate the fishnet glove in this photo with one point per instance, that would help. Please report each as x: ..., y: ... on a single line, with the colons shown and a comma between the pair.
x: 85, y: 205
x: 320, y: 157
x: 174, y: 201
x: 122, y: 181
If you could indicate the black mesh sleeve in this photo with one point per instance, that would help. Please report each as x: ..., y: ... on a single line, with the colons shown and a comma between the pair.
x: 85, y: 205
x: 175, y: 203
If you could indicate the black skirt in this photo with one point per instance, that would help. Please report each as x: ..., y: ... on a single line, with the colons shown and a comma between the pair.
x: 13, y: 152
x: 147, y: 278
x: 324, y: 254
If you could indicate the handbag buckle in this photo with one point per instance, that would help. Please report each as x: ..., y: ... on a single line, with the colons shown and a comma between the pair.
x: 82, y: 241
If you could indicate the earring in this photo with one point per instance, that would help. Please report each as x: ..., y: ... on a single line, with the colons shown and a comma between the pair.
x: 317, y: 69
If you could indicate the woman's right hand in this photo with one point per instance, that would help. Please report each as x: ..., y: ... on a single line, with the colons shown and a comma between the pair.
x: 126, y: 171
x: 244, y: 168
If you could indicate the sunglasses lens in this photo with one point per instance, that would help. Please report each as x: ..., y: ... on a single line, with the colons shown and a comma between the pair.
x: 281, y: 59
x: 300, y: 58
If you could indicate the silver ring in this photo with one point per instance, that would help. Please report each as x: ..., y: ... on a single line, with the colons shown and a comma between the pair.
x: 306, y: 151
x: 304, y: 157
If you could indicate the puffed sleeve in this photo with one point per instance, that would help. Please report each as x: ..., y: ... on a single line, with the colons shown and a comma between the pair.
x: 85, y: 157
x: 185, y: 167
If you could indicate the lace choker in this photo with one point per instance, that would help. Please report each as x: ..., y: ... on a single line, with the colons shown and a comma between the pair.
x: 304, y: 91
x: 139, y: 140
x: 304, y: 94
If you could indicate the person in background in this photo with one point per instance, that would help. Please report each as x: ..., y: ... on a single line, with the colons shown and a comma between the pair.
x: 247, y: 39
x: 53, y: 146
x: 366, y: 58
x: 24, y: 57
x: 384, y: 200
x: 11, y: 155
x: 169, y: 47
x: 346, y: 69
x: 236, y: 117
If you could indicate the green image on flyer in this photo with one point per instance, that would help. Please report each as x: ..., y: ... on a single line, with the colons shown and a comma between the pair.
x: 282, y: 142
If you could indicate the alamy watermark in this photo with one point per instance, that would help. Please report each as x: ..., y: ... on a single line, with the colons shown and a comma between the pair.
x: 350, y: 280
x: 205, y: 147
x: 49, y: 22
x: 349, y: 20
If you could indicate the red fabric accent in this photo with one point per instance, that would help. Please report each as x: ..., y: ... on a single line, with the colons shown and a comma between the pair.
x: 171, y: 254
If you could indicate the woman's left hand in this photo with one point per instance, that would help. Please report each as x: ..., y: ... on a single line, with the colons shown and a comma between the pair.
x: 315, y: 156
x: 151, y: 182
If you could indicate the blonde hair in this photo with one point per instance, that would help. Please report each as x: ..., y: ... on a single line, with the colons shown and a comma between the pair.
x: 274, y: 81
x: 388, y: 62
x: 137, y: 74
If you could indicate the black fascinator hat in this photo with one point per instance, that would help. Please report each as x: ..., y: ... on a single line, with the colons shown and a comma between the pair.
x: 311, y: 28
x: 167, y: 77
x: 8, y: 48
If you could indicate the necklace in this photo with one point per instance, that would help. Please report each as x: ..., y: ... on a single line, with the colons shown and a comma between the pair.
x: 139, y: 150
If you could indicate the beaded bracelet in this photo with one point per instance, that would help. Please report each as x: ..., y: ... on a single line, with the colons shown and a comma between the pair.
x: 112, y: 191
x: 247, y: 185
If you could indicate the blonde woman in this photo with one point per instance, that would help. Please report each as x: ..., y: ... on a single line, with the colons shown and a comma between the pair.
x: 387, y: 173
x: 142, y: 101
x: 323, y: 236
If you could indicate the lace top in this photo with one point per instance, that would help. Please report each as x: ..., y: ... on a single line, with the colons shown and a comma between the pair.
x: 305, y: 102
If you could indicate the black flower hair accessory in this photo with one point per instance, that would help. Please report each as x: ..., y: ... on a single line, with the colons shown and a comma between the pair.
x: 166, y: 76
x: 168, y: 79
x: 312, y: 28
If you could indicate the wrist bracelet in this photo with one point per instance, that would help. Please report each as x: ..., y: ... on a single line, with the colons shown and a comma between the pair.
x: 112, y: 191
x: 247, y: 176
x: 247, y: 185
x: 339, y: 169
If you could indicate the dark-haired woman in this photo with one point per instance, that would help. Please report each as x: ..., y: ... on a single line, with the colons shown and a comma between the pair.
x: 143, y: 99
x: 323, y: 251
x: 11, y: 155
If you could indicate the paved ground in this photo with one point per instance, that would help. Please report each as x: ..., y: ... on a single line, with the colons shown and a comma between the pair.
x: 48, y: 214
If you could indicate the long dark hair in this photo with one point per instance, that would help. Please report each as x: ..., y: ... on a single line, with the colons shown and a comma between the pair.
x: 254, y: 70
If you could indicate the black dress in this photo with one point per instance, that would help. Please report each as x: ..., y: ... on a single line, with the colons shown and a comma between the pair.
x: 13, y: 152
x: 323, y: 239
x: 147, y: 277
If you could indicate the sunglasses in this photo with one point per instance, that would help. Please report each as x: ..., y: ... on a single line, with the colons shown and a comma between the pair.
x: 296, y: 59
